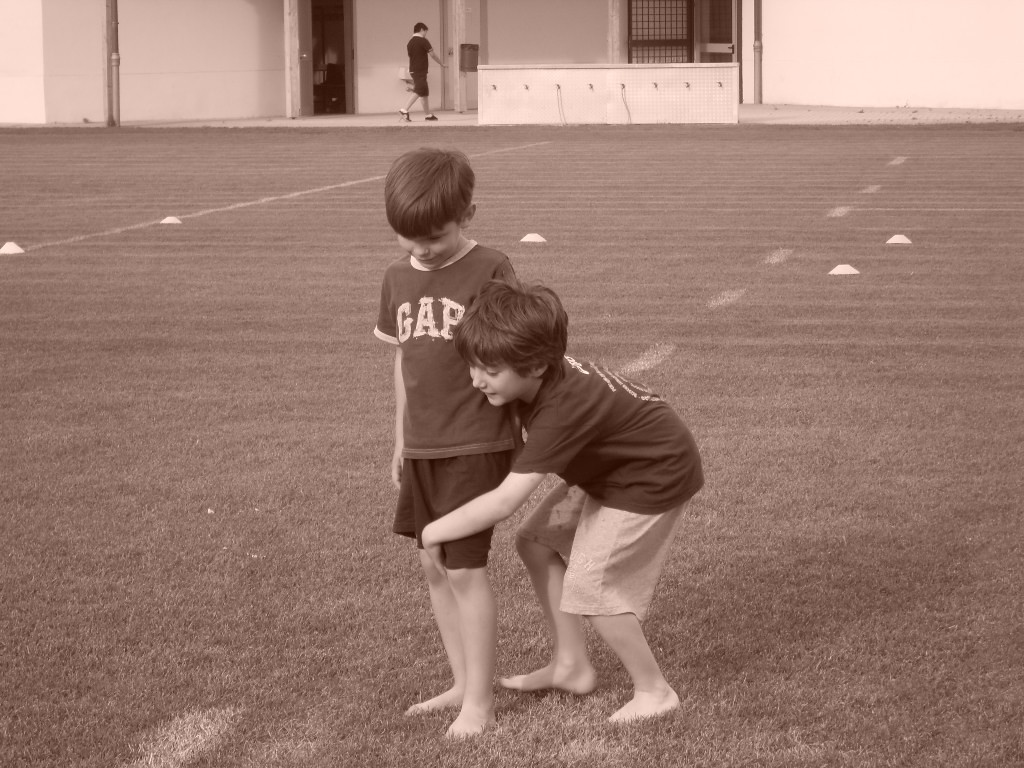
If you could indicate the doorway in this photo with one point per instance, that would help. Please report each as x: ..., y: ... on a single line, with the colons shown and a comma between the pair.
x: 319, y: 56
x: 332, y: 56
x: 718, y: 22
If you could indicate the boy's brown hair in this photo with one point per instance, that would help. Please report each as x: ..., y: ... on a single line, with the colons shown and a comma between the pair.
x: 426, y: 189
x: 519, y: 325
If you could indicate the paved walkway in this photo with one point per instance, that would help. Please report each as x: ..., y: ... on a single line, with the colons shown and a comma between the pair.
x: 764, y: 114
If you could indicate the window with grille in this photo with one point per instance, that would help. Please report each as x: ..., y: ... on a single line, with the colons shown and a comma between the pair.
x: 660, y: 31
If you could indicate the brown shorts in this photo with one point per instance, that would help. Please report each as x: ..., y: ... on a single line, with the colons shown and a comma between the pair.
x: 431, y: 488
x: 419, y: 83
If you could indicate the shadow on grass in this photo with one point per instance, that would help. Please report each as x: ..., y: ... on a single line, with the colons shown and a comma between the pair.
x: 872, y: 641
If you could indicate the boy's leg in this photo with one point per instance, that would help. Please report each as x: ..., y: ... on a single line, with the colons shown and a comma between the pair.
x: 446, y: 614
x: 478, y: 624
x: 617, y: 557
x: 461, y: 594
x: 570, y: 668
x: 544, y: 542
x: 652, y: 695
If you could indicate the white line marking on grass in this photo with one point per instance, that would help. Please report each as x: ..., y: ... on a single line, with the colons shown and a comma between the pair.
x: 509, y: 149
x: 727, y: 297
x: 898, y: 160
x: 184, y: 739
x: 947, y: 210
x: 104, y: 233
x: 656, y: 355
x: 778, y: 256
x: 250, y: 203
x: 839, y: 212
x: 870, y: 190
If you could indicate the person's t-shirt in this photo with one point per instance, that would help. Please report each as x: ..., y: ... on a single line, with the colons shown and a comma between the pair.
x: 445, y: 414
x: 418, y: 48
x: 615, y: 439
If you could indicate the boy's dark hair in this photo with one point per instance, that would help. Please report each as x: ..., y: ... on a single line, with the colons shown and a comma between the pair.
x: 426, y: 189
x: 420, y: 27
x: 519, y: 325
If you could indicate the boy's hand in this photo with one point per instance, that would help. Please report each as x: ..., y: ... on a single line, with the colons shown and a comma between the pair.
x: 396, y: 468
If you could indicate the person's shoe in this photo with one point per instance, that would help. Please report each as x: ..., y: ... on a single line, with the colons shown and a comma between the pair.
x: 405, y: 115
x: 430, y: 117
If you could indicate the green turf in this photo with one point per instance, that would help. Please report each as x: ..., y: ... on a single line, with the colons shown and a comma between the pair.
x: 196, y: 418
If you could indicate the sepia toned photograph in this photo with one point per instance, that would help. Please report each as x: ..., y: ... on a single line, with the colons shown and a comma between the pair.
x: 511, y: 384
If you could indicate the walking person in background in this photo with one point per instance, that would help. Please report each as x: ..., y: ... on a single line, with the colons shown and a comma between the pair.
x: 419, y: 49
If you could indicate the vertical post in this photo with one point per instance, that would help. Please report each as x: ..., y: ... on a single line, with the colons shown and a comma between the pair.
x: 615, y: 34
x: 758, y: 50
x: 292, y: 84
x: 459, y: 33
x: 484, y: 37
x: 113, y: 68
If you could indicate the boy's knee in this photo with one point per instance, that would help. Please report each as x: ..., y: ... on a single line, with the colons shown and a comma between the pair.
x: 466, y: 576
x: 524, y: 546
x: 467, y: 580
x: 433, y: 575
x: 532, y: 551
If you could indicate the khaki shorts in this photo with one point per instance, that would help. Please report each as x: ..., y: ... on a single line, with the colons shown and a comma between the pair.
x: 614, y: 557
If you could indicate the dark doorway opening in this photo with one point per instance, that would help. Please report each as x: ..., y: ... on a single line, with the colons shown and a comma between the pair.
x: 332, y: 57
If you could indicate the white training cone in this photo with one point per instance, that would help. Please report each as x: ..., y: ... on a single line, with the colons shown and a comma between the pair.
x: 899, y: 239
x: 171, y: 220
x: 844, y: 269
x: 533, y: 237
x: 11, y: 247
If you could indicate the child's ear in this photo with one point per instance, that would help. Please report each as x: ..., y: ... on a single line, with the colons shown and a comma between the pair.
x: 539, y: 371
x: 468, y: 216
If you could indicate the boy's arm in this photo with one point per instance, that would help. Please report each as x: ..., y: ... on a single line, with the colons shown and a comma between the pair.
x: 396, y: 457
x: 437, y: 59
x: 481, y: 513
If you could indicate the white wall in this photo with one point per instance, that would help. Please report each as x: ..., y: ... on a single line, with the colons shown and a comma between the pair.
x: 884, y: 53
x: 547, y: 32
x: 197, y: 59
x: 22, y: 92
x: 74, y: 47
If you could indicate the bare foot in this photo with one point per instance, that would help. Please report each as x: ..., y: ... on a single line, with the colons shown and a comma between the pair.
x: 470, y: 724
x: 646, y: 705
x: 447, y: 700
x: 579, y: 680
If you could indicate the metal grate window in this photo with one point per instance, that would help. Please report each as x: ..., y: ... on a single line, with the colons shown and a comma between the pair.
x: 660, y: 31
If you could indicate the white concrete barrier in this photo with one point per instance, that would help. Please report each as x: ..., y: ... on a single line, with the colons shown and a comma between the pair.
x: 608, y: 94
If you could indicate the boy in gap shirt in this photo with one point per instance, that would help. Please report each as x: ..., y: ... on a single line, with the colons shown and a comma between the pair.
x: 450, y: 445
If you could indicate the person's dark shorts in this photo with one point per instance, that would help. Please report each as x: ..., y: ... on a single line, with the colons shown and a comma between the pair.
x: 419, y: 83
x: 431, y: 488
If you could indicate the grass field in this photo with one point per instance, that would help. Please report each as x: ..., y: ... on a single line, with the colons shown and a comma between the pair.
x: 197, y: 568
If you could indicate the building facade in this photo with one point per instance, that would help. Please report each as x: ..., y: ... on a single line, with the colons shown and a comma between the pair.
x: 69, y: 61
